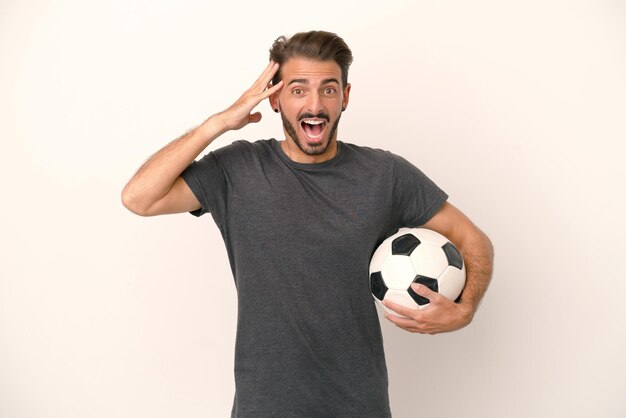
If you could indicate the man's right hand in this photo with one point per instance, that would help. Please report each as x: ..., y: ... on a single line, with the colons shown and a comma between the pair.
x: 239, y: 114
x: 157, y: 187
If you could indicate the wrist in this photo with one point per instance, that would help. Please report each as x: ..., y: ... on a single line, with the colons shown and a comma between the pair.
x: 468, y: 310
x: 215, y: 125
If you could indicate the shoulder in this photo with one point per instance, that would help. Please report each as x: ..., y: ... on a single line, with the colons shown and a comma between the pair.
x: 365, y: 151
x: 362, y: 152
x: 374, y: 156
x: 243, y: 145
x: 243, y: 150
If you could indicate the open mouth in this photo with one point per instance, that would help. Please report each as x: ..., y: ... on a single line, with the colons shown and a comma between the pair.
x: 314, y: 129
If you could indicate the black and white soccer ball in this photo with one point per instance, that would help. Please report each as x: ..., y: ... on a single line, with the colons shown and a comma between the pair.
x: 416, y: 255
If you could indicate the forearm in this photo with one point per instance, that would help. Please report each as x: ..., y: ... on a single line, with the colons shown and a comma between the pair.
x: 157, y: 175
x: 478, y: 255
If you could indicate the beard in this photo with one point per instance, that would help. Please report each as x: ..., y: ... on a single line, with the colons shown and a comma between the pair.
x: 314, y: 149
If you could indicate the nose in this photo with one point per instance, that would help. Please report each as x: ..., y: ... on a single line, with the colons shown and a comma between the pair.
x: 314, y: 104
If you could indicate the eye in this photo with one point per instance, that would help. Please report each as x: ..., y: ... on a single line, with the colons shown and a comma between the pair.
x: 330, y: 90
x: 297, y: 91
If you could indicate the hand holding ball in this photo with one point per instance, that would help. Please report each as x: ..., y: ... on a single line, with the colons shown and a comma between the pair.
x: 416, y: 255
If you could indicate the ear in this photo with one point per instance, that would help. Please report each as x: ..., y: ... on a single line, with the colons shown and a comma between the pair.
x: 346, y: 97
x: 274, y: 101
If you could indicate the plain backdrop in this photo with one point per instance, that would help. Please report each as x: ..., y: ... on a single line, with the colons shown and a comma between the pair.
x: 516, y: 109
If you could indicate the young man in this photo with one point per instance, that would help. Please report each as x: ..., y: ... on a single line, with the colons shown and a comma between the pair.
x: 300, y: 219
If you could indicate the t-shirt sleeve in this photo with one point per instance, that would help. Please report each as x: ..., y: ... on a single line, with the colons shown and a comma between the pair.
x: 416, y: 197
x: 207, y: 180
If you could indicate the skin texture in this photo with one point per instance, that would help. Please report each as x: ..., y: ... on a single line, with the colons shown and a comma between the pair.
x: 310, y: 90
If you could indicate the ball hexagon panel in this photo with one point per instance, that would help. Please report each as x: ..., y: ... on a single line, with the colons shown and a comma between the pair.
x: 398, y: 272
x: 428, y: 260
x: 430, y: 236
x: 451, y: 282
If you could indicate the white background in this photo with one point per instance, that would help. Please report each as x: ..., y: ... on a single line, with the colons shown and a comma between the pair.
x: 516, y: 109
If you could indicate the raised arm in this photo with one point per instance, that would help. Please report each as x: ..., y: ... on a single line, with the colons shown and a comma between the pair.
x: 157, y: 188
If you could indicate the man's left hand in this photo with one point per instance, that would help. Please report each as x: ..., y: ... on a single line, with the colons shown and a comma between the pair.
x: 441, y: 314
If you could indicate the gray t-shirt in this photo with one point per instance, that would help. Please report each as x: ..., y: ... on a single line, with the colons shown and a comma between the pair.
x: 299, y: 239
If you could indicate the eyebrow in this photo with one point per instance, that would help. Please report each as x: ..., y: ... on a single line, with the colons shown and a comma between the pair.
x: 305, y: 81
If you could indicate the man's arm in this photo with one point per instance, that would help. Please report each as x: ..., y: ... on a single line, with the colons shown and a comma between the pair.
x: 442, y: 314
x: 157, y: 187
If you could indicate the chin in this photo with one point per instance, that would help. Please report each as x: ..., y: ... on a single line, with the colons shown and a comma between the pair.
x: 307, y: 146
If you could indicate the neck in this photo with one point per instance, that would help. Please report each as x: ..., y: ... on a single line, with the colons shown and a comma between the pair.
x: 295, y: 154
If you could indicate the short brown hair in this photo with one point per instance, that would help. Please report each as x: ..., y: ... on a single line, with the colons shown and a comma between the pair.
x: 317, y: 45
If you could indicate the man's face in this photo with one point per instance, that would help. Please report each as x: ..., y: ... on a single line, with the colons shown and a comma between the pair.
x: 310, y: 103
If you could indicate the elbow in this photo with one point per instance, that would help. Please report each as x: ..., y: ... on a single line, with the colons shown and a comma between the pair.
x: 488, y: 252
x: 490, y: 247
x: 478, y: 244
x: 133, y: 204
x: 486, y: 245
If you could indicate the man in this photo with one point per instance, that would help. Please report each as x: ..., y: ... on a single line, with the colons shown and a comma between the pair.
x: 300, y: 219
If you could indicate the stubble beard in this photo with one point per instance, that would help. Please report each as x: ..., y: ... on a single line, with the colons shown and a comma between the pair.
x: 315, y: 149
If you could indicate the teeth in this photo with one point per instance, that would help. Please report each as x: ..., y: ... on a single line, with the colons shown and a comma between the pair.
x: 314, y: 122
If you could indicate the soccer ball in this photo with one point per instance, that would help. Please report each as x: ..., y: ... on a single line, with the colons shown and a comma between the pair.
x: 415, y: 255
